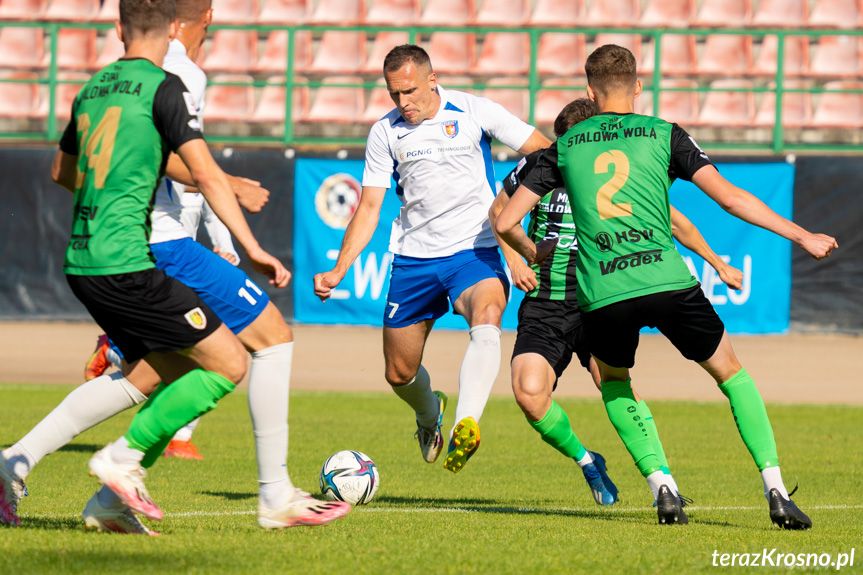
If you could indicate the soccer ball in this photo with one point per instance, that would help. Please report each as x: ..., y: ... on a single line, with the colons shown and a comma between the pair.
x: 349, y: 476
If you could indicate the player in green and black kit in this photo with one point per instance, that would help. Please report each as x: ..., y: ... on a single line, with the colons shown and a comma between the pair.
x: 617, y: 168
x: 549, y: 319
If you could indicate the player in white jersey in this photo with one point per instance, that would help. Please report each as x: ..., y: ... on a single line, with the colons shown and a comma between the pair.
x: 436, y: 144
x: 238, y: 302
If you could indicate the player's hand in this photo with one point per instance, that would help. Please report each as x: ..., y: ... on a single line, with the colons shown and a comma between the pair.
x: 544, y: 249
x: 732, y: 277
x: 264, y: 263
x: 231, y: 258
x: 819, y: 246
x: 325, y: 283
x: 250, y: 194
x: 523, y: 276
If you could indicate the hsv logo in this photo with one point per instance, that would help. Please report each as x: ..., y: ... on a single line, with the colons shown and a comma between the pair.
x: 603, y: 241
x: 632, y: 260
x: 196, y: 318
x: 450, y: 129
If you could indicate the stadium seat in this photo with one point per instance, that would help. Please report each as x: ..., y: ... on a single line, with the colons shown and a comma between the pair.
x: 339, y: 12
x: 380, y: 104
x: 274, y: 60
x: 384, y: 42
x: 393, y: 13
x: 232, y: 51
x: 668, y: 14
x: 565, y: 13
x: 18, y: 100
x: 781, y: 14
x: 796, y: 56
x: 109, y: 12
x: 677, y: 56
x: 837, y: 57
x: 76, y: 49
x: 549, y: 103
x: 837, y: 14
x: 21, y: 48
x: 463, y: 83
x: 724, y: 14
x: 230, y: 103
x: 448, y: 13
x: 503, y: 53
x: 64, y: 95
x: 516, y: 101
x: 722, y: 108
x: 338, y: 105
x: 452, y: 52
x: 726, y: 55
x: 234, y: 11
x: 22, y: 9
x: 676, y: 107
x: 340, y: 53
x: 112, y: 49
x: 612, y: 13
x: 271, y: 107
x: 503, y: 13
x: 796, y: 107
x: 75, y: 10
x: 836, y: 110
x: 630, y: 41
x: 284, y: 12
x: 560, y: 54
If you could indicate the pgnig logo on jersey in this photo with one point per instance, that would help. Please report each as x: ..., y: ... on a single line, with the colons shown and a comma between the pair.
x: 603, y: 241
x: 337, y: 199
x: 450, y: 129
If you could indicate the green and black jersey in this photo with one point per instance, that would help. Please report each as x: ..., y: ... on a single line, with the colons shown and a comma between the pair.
x: 551, y: 218
x: 125, y: 121
x: 617, y: 169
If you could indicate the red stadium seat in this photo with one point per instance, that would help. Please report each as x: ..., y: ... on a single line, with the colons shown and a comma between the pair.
x: 503, y: 53
x: 503, y: 13
x: 340, y: 53
x: 781, y: 14
x: 338, y: 105
x: 384, y: 42
x: 380, y: 104
x: 724, y: 108
x: 613, y: 13
x: 109, y: 12
x: 21, y: 48
x: 284, y: 12
x: 75, y: 10
x: 837, y: 110
x: 462, y: 83
x: 271, y: 107
x: 837, y: 14
x: 668, y: 14
x: 452, y: 52
x: 796, y: 56
x: 796, y: 107
x: 19, y: 100
x: 677, y: 56
x: 632, y: 42
x: 676, y: 107
x: 22, y: 9
x: 724, y: 14
x: 112, y: 49
x: 234, y: 11
x: 339, y: 12
x: 393, y: 13
x: 448, y: 13
x: 230, y: 103
x: 516, y: 101
x: 837, y: 57
x: 560, y: 54
x: 76, y: 49
x: 549, y: 103
x: 726, y: 55
x: 565, y: 13
x: 232, y: 51
x: 274, y: 60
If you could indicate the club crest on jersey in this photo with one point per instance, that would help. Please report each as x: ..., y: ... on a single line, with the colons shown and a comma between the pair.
x: 450, y: 129
x: 196, y: 318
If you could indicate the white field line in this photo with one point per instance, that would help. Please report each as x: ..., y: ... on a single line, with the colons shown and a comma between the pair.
x: 490, y: 509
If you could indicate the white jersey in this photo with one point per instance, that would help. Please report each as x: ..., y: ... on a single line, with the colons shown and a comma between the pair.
x: 443, y: 172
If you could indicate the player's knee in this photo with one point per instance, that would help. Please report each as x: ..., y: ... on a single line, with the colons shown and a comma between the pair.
x: 531, y: 396
x: 489, y: 315
x: 399, y: 375
x: 233, y: 366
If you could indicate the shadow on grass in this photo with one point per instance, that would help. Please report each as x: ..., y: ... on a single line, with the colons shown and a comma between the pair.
x: 52, y: 523
x: 231, y: 496
x: 81, y: 448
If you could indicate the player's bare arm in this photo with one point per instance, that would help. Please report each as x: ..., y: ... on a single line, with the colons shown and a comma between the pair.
x: 536, y: 141
x: 357, y: 237
x: 249, y: 193
x: 508, y: 227
x: 744, y: 205
x: 214, y: 184
x: 688, y: 235
x: 522, y: 275
x: 64, y: 170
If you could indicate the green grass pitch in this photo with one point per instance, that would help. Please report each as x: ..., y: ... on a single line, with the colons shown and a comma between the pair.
x: 518, y: 507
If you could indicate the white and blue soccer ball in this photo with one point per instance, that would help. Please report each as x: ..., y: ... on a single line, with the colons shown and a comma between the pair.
x: 349, y: 476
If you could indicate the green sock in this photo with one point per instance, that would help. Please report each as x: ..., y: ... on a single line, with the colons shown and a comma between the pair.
x: 189, y: 397
x: 647, y: 417
x: 555, y: 430
x: 751, y: 419
x: 623, y: 412
x: 152, y: 454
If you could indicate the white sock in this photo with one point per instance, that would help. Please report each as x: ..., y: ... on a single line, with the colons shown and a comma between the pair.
x: 418, y: 394
x: 89, y: 404
x: 185, y: 432
x: 269, y: 387
x: 669, y: 481
x: 772, y: 479
x: 586, y: 460
x: 122, y: 453
x: 656, y: 480
x: 479, y: 369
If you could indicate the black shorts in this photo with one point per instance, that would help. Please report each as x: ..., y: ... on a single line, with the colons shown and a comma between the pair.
x: 684, y: 316
x: 552, y: 329
x: 145, y: 311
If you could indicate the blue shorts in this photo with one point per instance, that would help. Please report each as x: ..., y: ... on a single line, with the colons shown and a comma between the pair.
x: 229, y: 292
x: 420, y: 287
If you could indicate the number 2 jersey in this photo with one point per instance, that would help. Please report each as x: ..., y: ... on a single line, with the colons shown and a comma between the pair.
x: 617, y: 169
x: 125, y: 121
